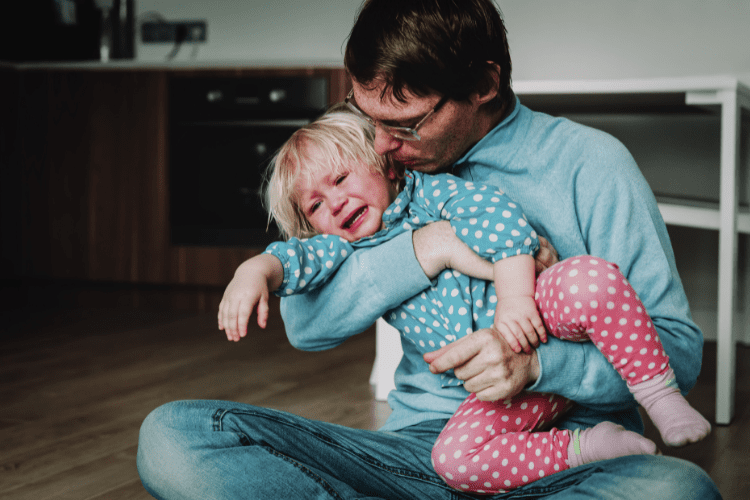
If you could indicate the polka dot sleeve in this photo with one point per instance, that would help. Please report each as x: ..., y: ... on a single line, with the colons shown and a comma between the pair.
x: 308, y: 263
x: 486, y: 219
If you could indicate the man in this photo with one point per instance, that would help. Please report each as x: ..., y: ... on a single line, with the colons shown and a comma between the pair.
x: 434, y: 76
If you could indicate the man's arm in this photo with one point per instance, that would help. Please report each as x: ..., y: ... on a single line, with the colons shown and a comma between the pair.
x: 619, y: 221
x: 373, y: 280
x: 368, y: 283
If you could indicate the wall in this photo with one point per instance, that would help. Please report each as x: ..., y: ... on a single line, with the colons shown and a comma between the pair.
x: 550, y: 39
x: 257, y: 30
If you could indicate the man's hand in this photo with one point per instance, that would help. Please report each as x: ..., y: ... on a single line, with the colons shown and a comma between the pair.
x: 546, y: 256
x: 487, y: 365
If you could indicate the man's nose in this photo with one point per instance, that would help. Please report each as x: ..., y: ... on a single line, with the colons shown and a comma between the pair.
x: 385, y: 142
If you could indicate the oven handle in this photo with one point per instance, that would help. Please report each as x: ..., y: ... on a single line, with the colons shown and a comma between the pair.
x: 247, y: 123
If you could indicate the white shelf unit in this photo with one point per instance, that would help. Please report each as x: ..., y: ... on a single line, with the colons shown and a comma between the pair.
x: 723, y: 95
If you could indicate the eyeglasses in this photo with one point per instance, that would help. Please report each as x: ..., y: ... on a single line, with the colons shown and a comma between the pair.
x: 401, y: 133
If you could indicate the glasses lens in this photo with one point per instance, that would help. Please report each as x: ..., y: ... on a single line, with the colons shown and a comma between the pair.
x: 401, y: 133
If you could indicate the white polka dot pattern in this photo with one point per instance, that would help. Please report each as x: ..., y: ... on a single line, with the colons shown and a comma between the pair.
x: 491, y: 447
x: 454, y: 305
x: 586, y: 298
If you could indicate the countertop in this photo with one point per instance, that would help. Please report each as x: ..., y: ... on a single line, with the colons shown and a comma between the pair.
x: 171, y: 65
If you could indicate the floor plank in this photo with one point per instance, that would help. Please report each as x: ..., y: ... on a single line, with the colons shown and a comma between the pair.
x: 76, y: 383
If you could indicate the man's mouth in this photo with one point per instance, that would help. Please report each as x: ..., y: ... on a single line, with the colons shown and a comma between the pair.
x: 407, y: 162
x: 354, y: 218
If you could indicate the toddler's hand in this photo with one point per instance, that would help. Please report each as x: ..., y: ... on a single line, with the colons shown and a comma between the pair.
x: 518, y: 321
x: 246, y: 292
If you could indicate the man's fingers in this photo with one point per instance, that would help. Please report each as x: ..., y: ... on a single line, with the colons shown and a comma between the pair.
x: 433, y: 355
x: 455, y: 354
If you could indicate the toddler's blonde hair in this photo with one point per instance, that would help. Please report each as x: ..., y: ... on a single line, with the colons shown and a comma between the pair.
x: 333, y: 144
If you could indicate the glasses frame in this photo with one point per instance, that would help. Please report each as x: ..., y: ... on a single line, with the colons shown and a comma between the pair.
x: 400, y: 133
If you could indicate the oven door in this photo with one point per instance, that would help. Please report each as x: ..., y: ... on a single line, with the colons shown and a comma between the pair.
x: 216, y: 172
x: 222, y: 133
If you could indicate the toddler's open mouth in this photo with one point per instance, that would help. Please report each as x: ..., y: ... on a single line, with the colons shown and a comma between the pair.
x: 354, y: 217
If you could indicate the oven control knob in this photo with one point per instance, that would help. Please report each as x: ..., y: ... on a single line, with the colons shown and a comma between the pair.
x: 214, y: 96
x: 277, y: 95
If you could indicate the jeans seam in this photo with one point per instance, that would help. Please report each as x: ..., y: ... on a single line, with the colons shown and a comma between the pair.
x: 529, y: 493
x: 217, y: 426
x: 322, y: 482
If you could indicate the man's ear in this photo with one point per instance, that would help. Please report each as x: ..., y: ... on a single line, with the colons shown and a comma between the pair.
x: 489, y: 87
x: 394, y: 172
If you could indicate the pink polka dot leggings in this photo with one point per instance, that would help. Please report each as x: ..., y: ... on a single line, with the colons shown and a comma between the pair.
x: 494, y: 447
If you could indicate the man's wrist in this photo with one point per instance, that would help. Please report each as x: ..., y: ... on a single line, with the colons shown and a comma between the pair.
x: 534, y: 368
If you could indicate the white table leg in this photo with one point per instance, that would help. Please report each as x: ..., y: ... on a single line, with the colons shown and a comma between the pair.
x: 388, y: 355
x: 726, y: 348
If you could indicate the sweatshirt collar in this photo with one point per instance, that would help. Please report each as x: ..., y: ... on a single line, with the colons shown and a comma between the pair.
x: 496, y: 130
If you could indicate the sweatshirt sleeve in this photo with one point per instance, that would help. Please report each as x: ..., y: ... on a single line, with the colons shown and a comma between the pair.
x: 368, y: 283
x: 309, y: 262
x: 620, y: 221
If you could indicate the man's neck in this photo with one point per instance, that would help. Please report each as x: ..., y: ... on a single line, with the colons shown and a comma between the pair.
x: 504, y: 112
x: 489, y: 121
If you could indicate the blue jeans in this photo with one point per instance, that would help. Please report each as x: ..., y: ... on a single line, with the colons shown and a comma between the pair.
x: 221, y: 450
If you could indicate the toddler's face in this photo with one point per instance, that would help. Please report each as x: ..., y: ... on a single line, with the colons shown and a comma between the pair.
x: 349, y: 205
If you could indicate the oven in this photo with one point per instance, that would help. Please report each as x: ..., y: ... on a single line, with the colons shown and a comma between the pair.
x: 222, y: 133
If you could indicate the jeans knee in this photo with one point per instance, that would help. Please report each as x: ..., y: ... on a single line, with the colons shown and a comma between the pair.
x: 149, y: 443
x: 680, y: 479
x: 160, y: 451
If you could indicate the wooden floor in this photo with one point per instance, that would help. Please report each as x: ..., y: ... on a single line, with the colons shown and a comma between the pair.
x: 75, y: 384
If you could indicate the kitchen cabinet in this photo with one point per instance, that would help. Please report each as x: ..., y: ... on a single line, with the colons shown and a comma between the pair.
x: 87, y: 149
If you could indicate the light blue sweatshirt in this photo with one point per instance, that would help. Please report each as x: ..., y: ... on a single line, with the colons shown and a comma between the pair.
x: 581, y: 189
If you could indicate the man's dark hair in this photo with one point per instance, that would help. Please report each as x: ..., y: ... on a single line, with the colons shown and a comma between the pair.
x: 429, y: 46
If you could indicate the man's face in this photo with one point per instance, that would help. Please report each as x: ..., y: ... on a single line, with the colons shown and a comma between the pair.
x: 446, y: 135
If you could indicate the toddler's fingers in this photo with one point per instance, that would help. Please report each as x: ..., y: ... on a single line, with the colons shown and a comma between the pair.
x: 263, y: 312
x: 230, y: 322
x: 541, y: 331
x: 524, y: 341
x: 218, y: 317
x: 509, y: 337
x: 530, y: 333
x: 522, y: 330
x: 243, y: 317
x: 515, y: 339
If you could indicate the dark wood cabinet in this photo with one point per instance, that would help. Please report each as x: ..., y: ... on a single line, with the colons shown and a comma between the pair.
x: 86, y: 154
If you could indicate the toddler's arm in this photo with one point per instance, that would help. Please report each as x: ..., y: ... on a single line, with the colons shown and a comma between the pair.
x: 516, y: 315
x: 439, y: 248
x: 248, y: 290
